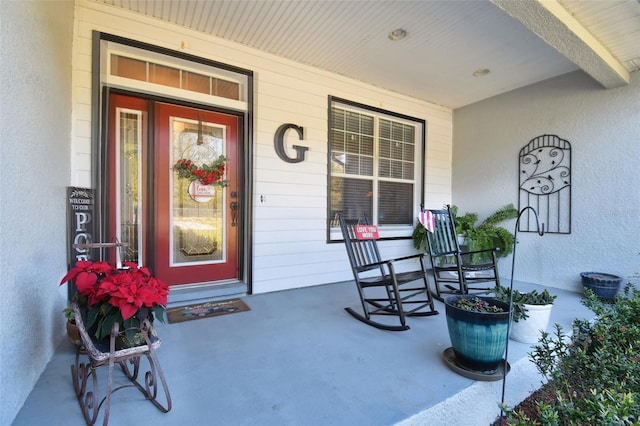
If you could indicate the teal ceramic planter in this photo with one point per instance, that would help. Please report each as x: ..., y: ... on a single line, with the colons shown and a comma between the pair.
x: 478, y: 339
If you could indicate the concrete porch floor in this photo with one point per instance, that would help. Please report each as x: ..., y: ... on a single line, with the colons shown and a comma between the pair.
x: 297, y: 358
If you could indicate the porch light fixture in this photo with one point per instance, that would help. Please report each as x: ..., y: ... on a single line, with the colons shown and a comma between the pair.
x: 397, y: 35
x: 481, y: 72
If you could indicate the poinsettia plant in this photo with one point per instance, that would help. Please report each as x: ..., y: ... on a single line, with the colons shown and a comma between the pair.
x: 127, y: 295
x: 208, y: 173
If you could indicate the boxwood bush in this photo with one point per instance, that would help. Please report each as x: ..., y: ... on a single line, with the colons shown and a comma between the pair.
x: 595, y: 371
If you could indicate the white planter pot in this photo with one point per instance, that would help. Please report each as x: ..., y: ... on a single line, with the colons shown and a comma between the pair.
x: 529, y: 330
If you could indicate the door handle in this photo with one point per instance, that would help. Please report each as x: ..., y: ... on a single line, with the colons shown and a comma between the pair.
x: 234, y: 213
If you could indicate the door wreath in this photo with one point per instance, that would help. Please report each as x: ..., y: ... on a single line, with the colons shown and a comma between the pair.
x: 207, y: 174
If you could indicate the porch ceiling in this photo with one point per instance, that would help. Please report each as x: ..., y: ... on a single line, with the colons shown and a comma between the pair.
x: 520, y: 42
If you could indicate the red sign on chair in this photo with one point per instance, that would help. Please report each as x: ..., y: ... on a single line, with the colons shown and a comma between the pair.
x: 366, y: 232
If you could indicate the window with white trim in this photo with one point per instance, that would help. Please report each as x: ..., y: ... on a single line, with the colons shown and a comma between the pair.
x: 376, y: 165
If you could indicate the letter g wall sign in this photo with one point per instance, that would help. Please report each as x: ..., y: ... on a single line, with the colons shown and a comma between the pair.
x: 278, y: 142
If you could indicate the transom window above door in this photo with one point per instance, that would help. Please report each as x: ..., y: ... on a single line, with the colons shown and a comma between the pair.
x: 375, y: 167
x: 150, y: 71
x: 170, y: 76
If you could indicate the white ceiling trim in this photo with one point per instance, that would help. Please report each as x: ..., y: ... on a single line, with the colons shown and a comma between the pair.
x: 553, y: 24
x: 521, y: 42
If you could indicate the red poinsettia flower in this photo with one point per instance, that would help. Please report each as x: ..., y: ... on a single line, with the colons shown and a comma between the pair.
x: 160, y: 290
x: 123, y: 292
x: 88, y: 268
x: 85, y: 276
x: 128, y: 290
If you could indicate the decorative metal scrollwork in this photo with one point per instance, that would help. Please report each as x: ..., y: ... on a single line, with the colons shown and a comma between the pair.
x: 89, y: 358
x: 545, y: 182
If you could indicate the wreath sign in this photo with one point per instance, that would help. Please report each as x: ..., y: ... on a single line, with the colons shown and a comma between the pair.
x: 207, y: 174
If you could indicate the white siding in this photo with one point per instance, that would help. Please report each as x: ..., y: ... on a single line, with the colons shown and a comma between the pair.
x: 290, y: 248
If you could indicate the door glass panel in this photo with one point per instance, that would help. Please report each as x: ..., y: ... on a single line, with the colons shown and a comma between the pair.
x: 128, y: 224
x: 197, y: 214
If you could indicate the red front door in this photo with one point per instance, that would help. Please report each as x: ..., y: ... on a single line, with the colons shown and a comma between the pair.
x: 189, y: 234
x: 196, y: 231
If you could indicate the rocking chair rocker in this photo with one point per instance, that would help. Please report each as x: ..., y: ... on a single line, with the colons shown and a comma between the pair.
x: 382, y: 290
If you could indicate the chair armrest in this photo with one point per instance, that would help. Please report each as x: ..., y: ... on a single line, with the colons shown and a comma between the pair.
x: 480, y: 251
x: 368, y: 266
x: 411, y: 256
x: 446, y: 253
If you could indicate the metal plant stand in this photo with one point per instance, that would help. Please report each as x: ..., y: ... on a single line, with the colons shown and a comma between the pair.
x: 85, y: 378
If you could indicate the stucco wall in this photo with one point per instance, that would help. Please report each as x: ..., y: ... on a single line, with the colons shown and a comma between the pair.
x: 603, y: 127
x: 35, y: 102
x: 290, y: 247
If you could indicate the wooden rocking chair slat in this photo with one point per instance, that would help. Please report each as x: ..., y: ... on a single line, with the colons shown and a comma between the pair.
x: 453, y: 270
x: 382, y: 290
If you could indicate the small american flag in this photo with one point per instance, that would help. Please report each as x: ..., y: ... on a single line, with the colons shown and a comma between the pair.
x: 428, y: 220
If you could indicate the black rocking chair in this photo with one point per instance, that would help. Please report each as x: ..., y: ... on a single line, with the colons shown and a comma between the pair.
x: 382, y: 290
x: 453, y: 269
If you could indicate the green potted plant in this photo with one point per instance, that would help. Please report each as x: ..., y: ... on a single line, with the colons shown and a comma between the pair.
x: 477, y: 328
x: 464, y: 224
x: 531, y: 312
x: 72, y: 328
x: 484, y: 236
x: 488, y: 234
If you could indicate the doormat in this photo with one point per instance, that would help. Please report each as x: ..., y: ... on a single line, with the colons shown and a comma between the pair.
x: 206, y: 310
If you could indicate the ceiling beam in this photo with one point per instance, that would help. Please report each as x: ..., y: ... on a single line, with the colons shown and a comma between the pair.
x: 559, y: 29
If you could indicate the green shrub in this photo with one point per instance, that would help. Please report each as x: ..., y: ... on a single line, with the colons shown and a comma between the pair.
x: 595, y: 372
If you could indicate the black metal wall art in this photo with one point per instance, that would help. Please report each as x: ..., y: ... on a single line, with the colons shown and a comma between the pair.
x: 545, y: 183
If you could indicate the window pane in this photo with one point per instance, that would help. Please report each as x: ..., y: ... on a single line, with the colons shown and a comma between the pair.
x: 338, y: 161
x: 351, y: 197
x: 166, y: 76
x: 384, y: 168
x: 352, y: 165
x: 385, y: 148
x: 408, y: 152
x: 366, y: 166
x: 366, y: 146
x: 359, y: 147
x: 196, y: 82
x: 407, y: 171
x: 129, y: 142
x: 337, y: 118
x: 353, y: 144
x: 385, y: 129
x: 396, y: 150
x: 360, y: 141
x: 226, y: 89
x: 128, y: 68
x: 397, y: 131
x: 396, y: 169
x: 352, y: 122
x: 123, y: 66
x: 409, y: 136
x: 196, y: 228
x: 366, y: 125
x: 395, y: 203
x: 337, y: 141
x: 397, y: 155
